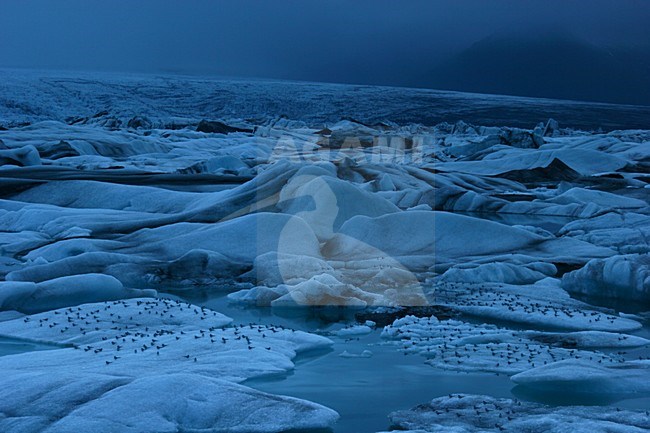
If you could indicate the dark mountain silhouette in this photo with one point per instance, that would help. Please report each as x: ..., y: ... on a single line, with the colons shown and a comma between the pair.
x: 552, y: 65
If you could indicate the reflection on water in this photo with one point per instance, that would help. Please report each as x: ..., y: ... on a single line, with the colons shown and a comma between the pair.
x: 12, y: 346
x: 364, y: 390
x: 625, y: 305
x: 567, y: 397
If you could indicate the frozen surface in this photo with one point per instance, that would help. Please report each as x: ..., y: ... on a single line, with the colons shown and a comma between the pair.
x: 467, y: 238
x: 464, y: 413
x: 588, y: 377
x: 543, y: 305
x: 621, y: 277
x: 171, y: 100
x: 166, y: 403
x: 297, y: 207
x: 161, y: 365
x: 28, y: 297
x: 462, y: 346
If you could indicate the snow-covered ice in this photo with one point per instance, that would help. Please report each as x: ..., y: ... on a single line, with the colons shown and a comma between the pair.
x: 29, y: 297
x: 543, y: 304
x: 462, y: 346
x: 161, y: 365
x: 588, y: 377
x: 619, y: 277
x: 462, y: 413
x: 281, y: 196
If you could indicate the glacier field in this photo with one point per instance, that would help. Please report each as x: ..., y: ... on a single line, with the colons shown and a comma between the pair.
x: 184, y: 254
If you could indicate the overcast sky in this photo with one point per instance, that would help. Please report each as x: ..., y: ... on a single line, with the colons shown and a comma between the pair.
x: 333, y: 40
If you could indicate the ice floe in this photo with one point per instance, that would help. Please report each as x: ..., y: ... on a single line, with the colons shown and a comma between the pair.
x: 118, y: 370
x: 589, y: 377
x: 464, y: 413
x: 619, y: 277
x: 462, y: 346
x: 543, y: 304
